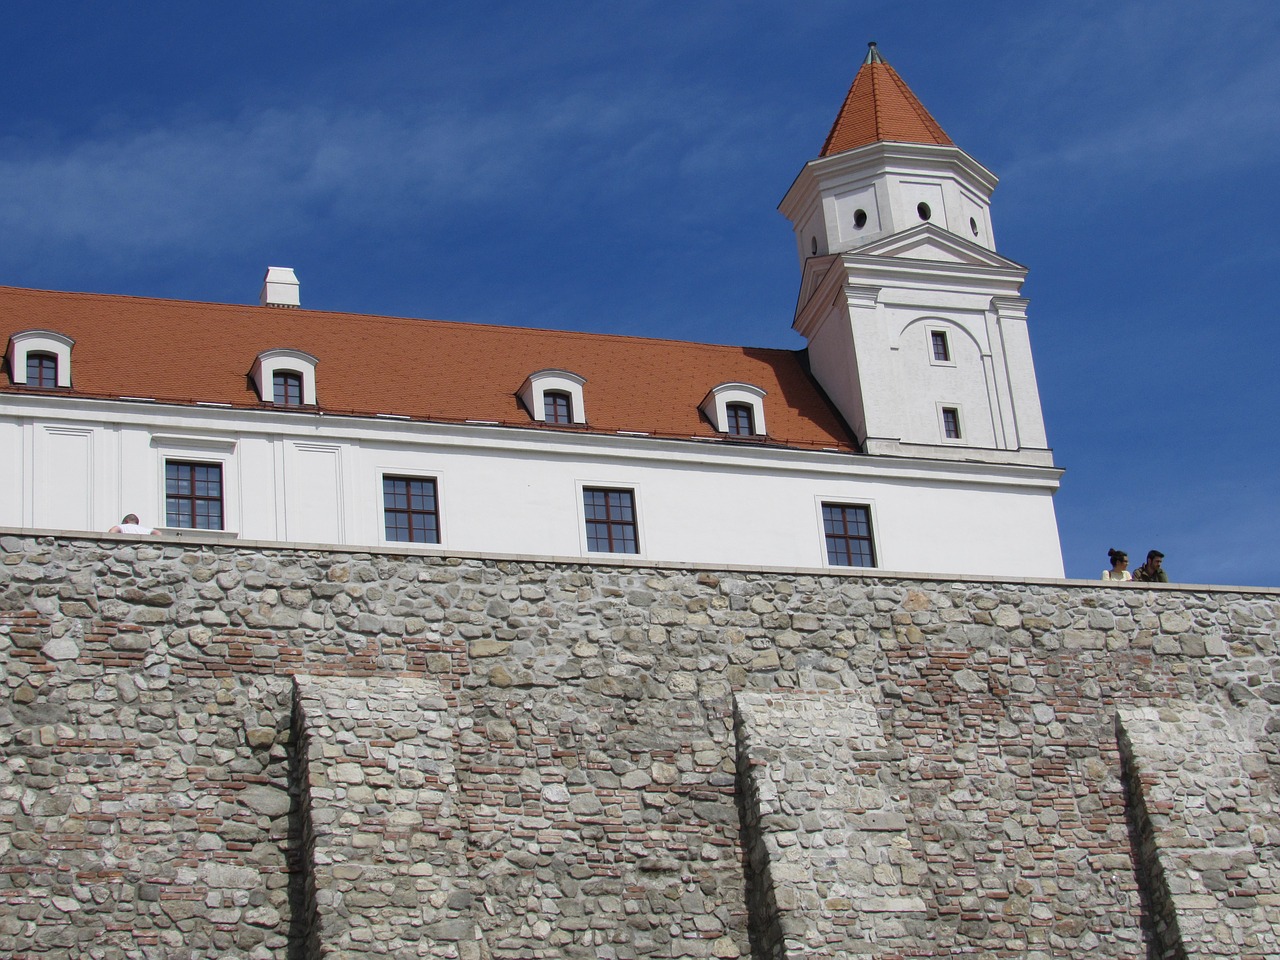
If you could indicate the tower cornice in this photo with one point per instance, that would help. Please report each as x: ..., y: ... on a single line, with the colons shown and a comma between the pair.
x: 877, y: 158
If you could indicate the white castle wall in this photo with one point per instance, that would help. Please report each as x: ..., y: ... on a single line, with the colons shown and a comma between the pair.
x: 302, y: 477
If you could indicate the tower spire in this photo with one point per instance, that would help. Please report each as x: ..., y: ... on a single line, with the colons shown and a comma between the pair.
x: 880, y: 106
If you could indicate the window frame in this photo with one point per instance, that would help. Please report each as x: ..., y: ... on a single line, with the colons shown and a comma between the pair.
x: 932, y: 332
x: 195, y: 498
x: 822, y: 505
x: 938, y: 339
x: 557, y: 399
x: 944, y: 407
x: 950, y: 421
x: 734, y: 413
x: 39, y: 357
x: 199, y: 449
x: 390, y: 476
x: 638, y: 535
x: 288, y: 381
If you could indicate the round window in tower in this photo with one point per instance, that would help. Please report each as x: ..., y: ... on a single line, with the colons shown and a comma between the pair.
x: 859, y: 219
x: 922, y: 208
x: 973, y: 225
x: 813, y: 246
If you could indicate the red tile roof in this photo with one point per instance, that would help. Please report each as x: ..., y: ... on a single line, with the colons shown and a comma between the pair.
x: 880, y: 106
x: 182, y: 352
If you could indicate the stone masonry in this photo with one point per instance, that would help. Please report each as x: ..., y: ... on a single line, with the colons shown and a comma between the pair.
x: 388, y: 872
x: 228, y: 749
x: 1210, y: 821
x: 826, y: 833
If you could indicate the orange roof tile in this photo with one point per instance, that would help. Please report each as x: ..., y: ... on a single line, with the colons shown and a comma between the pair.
x: 182, y: 352
x: 880, y: 106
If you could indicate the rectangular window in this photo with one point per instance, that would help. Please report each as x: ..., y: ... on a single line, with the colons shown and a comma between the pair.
x: 557, y: 407
x: 941, y: 349
x: 951, y: 423
x: 611, y: 521
x: 287, y: 389
x: 193, y: 495
x: 410, y: 508
x: 740, y: 423
x: 42, y: 370
x: 848, y: 533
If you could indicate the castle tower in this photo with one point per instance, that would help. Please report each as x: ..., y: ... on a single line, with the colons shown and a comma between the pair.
x: 915, y: 325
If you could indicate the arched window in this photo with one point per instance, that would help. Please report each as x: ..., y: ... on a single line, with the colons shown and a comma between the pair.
x: 42, y: 370
x: 735, y: 409
x: 40, y: 358
x: 286, y: 378
x: 554, y: 397
x: 739, y: 421
x: 287, y: 388
x: 557, y: 407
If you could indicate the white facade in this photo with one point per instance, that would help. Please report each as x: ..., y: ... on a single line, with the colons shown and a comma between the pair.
x: 304, y: 477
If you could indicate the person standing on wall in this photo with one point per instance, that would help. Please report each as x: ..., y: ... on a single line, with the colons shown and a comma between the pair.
x: 1152, y: 571
x: 131, y: 524
x: 1119, y: 566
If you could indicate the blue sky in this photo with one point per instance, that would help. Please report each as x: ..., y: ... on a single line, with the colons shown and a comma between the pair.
x: 616, y: 168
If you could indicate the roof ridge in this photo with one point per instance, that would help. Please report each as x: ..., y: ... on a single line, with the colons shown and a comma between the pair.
x: 6, y: 289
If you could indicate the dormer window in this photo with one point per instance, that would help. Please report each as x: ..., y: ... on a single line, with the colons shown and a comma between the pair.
x: 286, y: 378
x: 42, y: 370
x: 735, y: 409
x: 554, y: 397
x: 557, y: 407
x: 287, y: 388
x: 738, y: 420
x: 40, y: 358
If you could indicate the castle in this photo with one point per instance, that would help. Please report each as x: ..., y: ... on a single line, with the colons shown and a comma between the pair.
x: 907, y: 435
x: 700, y: 721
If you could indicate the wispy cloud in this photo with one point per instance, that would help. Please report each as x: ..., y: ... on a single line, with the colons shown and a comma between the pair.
x: 190, y: 181
x: 1219, y: 130
x: 177, y: 184
x: 1112, y: 92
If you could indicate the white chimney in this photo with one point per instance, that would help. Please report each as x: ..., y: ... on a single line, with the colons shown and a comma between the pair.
x: 280, y: 288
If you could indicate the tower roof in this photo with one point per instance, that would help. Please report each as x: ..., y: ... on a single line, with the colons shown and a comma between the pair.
x: 880, y: 106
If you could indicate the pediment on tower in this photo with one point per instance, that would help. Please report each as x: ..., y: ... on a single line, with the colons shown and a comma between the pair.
x: 931, y: 242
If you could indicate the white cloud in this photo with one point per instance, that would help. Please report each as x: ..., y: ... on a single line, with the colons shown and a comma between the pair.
x: 178, y: 184
x: 192, y: 184
x: 1168, y: 93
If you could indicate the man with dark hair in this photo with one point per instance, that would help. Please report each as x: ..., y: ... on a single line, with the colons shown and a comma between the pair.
x: 1152, y: 571
x: 131, y: 525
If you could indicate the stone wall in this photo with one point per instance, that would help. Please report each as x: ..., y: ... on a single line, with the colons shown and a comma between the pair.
x: 229, y: 749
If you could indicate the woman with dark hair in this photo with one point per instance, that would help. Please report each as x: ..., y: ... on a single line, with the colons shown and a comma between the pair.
x: 1119, y: 566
